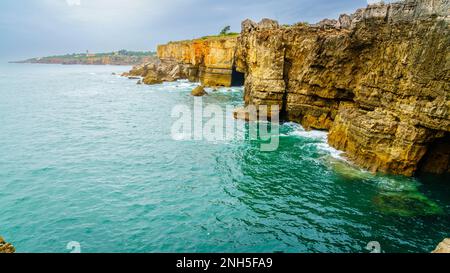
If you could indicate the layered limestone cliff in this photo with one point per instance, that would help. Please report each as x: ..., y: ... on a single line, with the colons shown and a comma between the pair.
x: 378, y: 80
x: 208, y: 60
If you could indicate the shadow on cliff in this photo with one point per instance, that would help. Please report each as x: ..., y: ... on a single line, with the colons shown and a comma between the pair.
x: 237, y: 78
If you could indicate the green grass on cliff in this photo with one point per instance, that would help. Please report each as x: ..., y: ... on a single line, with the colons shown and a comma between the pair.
x: 230, y: 34
x: 219, y: 36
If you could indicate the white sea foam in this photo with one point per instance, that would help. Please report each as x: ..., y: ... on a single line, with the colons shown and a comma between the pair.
x: 319, y: 135
x: 185, y: 84
x: 176, y: 86
x: 296, y: 129
x: 398, y: 184
x: 331, y: 151
x: 225, y: 89
x: 343, y: 166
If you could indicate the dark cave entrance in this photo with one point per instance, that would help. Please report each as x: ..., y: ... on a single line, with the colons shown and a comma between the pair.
x: 437, y: 158
x: 237, y: 78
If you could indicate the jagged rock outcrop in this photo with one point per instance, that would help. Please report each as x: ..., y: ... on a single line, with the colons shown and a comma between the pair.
x: 208, y: 60
x: 199, y: 91
x: 6, y: 247
x: 378, y: 79
x: 157, y: 72
x: 443, y: 247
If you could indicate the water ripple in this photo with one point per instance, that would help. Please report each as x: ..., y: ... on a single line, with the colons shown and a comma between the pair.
x: 87, y: 156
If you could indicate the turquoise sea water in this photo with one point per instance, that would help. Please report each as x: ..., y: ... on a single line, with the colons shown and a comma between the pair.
x: 87, y: 156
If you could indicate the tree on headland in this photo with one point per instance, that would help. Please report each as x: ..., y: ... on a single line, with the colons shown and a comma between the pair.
x: 225, y: 30
x: 123, y: 52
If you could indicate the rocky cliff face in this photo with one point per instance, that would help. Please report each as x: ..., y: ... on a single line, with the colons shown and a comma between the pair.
x: 378, y: 80
x: 208, y: 60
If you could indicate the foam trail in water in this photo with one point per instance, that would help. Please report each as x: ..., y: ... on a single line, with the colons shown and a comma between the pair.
x: 176, y: 86
x: 331, y: 151
x: 225, y: 89
x: 295, y: 129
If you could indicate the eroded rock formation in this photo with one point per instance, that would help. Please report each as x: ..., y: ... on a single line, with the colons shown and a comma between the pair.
x: 378, y: 80
x: 199, y: 91
x: 6, y: 247
x: 208, y: 60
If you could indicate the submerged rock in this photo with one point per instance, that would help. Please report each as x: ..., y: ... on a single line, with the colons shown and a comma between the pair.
x: 443, y: 247
x: 406, y: 204
x: 6, y: 247
x: 151, y: 79
x: 348, y: 171
x: 199, y: 91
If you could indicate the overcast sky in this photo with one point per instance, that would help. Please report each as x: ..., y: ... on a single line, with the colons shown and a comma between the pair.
x: 33, y: 28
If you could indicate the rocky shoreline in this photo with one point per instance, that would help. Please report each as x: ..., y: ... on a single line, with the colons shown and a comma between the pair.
x: 208, y: 60
x: 378, y: 80
x: 6, y: 247
x: 443, y: 247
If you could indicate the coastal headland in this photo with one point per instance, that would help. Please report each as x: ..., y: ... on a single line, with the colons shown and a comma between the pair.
x: 121, y: 57
x: 378, y: 80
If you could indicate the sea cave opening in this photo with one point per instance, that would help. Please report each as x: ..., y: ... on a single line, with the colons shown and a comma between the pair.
x: 237, y: 78
x: 437, y: 158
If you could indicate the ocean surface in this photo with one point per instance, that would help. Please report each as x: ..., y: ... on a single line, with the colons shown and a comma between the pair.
x: 88, y: 157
